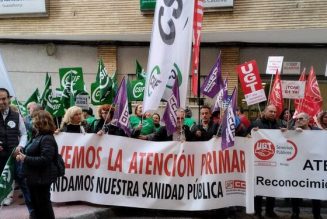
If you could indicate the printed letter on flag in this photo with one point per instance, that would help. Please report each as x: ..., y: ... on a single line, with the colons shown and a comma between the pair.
x: 249, y: 76
x: 170, y: 114
x: 228, y: 124
x: 170, y: 51
x: 213, y: 82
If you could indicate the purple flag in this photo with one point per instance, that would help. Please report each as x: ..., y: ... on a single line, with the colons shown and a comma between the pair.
x: 121, y: 114
x: 229, y: 123
x: 213, y: 82
x: 222, y: 98
x: 170, y: 114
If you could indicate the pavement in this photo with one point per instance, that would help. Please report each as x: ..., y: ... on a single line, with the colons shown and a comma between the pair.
x: 83, y: 210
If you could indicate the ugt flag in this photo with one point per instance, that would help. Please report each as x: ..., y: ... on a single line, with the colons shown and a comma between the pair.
x: 276, y: 94
x: 170, y: 51
x: 4, y: 79
x: 213, y: 82
x: 312, y: 103
x: 229, y: 124
x: 6, y: 179
x: 170, y: 114
x: 121, y: 114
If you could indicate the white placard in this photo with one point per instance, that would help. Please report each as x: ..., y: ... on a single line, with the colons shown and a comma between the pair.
x: 291, y: 68
x: 12, y: 7
x: 293, y: 89
x: 274, y: 63
x: 82, y: 101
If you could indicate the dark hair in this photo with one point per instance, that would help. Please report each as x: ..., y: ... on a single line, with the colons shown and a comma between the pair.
x: 43, y: 122
x: 206, y: 107
x: 283, y: 113
x: 137, y: 106
x: 320, y: 119
x: 89, y: 111
x: 5, y: 90
x: 215, y: 114
x: 157, y: 114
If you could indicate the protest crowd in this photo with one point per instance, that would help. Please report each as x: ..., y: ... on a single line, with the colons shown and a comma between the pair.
x: 36, y: 146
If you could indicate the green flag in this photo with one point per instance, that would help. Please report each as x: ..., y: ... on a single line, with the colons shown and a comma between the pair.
x: 33, y: 98
x: 95, y: 95
x: 140, y: 73
x: 20, y: 106
x: 103, y: 80
x: 7, y: 179
x: 53, y: 104
x: 47, y: 89
x: 136, y: 90
x: 71, y: 83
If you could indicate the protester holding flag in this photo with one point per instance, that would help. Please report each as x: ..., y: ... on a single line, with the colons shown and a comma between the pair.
x: 105, y: 125
x: 73, y: 121
x: 13, y: 136
x: 267, y: 121
x: 39, y: 165
x: 140, y: 124
x: 182, y: 132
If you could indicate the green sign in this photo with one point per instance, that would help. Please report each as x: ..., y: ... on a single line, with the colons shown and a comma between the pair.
x: 137, y: 90
x: 147, y: 5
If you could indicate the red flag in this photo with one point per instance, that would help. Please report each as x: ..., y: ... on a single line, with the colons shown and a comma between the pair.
x: 298, y: 102
x: 312, y: 103
x: 276, y: 95
x: 197, y: 26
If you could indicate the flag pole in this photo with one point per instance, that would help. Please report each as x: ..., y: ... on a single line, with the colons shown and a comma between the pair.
x: 289, y: 111
x: 271, y: 80
x: 199, y: 94
x: 104, y: 122
x: 260, y: 109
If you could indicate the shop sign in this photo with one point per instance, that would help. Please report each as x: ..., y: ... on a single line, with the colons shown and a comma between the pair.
x: 291, y: 68
x: 13, y: 8
x: 208, y: 4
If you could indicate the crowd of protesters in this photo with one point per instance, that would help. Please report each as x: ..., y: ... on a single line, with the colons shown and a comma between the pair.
x: 40, y: 127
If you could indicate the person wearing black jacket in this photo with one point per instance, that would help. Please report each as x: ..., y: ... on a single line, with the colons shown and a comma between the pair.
x: 302, y: 123
x: 207, y: 128
x: 267, y: 121
x: 39, y: 164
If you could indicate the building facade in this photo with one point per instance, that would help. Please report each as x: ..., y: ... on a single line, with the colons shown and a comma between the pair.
x: 77, y: 33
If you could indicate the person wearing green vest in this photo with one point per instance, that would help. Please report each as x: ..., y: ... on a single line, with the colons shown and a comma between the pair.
x: 140, y: 124
x: 88, y: 115
x: 189, y: 120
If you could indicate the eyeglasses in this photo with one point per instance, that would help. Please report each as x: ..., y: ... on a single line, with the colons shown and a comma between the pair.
x: 300, y: 119
x: 180, y: 118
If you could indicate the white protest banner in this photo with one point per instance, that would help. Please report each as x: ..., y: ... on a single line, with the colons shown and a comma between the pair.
x: 250, y: 80
x: 290, y: 164
x: 170, y: 51
x: 114, y: 170
x: 291, y: 68
x: 5, y: 80
x: 82, y: 100
x: 293, y: 89
x: 274, y: 63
